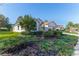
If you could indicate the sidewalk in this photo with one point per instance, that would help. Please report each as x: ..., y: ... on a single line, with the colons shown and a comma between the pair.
x: 70, y: 34
x: 76, y: 52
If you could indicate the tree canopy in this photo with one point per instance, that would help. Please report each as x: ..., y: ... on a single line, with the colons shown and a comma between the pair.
x: 4, y: 22
x: 72, y: 25
x: 27, y: 22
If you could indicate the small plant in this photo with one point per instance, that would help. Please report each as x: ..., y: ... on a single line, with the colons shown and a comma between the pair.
x: 57, y: 33
x: 48, y: 33
x: 53, y: 33
x: 37, y: 33
x: 25, y: 33
x: 46, y: 45
x: 65, y: 45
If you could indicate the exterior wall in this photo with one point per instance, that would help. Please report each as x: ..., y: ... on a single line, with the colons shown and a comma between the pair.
x: 49, y: 25
x: 46, y: 28
x: 15, y: 27
x: 73, y: 29
x: 18, y: 28
x: 52, y: 25
x: 60, y: 27
x: 37, y: 26
x: 45, y: 25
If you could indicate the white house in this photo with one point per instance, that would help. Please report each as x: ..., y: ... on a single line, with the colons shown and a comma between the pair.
x: 39, y: 24
x: 18, y: 28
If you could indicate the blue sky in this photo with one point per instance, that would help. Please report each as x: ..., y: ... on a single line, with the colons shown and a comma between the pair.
x: 60, y: 13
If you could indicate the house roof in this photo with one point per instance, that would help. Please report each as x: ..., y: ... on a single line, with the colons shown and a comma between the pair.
x: 39, y: 20
x: 52, y: 22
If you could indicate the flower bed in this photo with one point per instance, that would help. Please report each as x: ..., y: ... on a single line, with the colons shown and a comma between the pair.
x: 28, y: 45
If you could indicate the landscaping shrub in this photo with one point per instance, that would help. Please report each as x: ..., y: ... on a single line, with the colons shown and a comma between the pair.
x: 57, y: 33
x: 37, y: 33
x: 65, y: 45
x: 46, y: 45
x: 33, y: 33
x: 13, y: 41
x: 48, y: 34
x: 4, y: 30
x: 46, y: 48
x: 25, y: 33
x: 53, y: 33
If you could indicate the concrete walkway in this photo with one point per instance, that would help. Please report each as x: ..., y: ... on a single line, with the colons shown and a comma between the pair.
x: 71, y: 34
x: 76, y: 48
x: 76, y: 52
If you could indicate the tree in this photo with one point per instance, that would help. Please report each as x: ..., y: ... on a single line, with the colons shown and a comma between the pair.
x: 76, y: 25
x: 4, y: 22
x: 27, y: 22
x: 69, y: 25
x: 7, y: 24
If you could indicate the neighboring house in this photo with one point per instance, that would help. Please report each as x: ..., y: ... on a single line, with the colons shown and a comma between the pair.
x: 60, y: 27
x: 72, y: 29
x: 51, y: 25
x: 38, y: 24
x: 44, y: 25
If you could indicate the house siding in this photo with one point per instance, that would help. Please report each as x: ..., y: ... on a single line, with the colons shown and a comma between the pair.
x: 17, y: 28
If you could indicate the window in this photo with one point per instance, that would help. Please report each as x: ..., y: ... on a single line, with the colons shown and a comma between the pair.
x: 18, y: 27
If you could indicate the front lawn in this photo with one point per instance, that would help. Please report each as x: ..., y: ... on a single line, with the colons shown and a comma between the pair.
x: 29, y: 45
x: 8, y: 34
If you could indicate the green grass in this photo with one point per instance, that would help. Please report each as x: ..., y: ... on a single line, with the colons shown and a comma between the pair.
x: 13, y: 40
x: 4, y: 35
x: 66, y: 45
x: 63, y: 45
x: 7, y: 39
